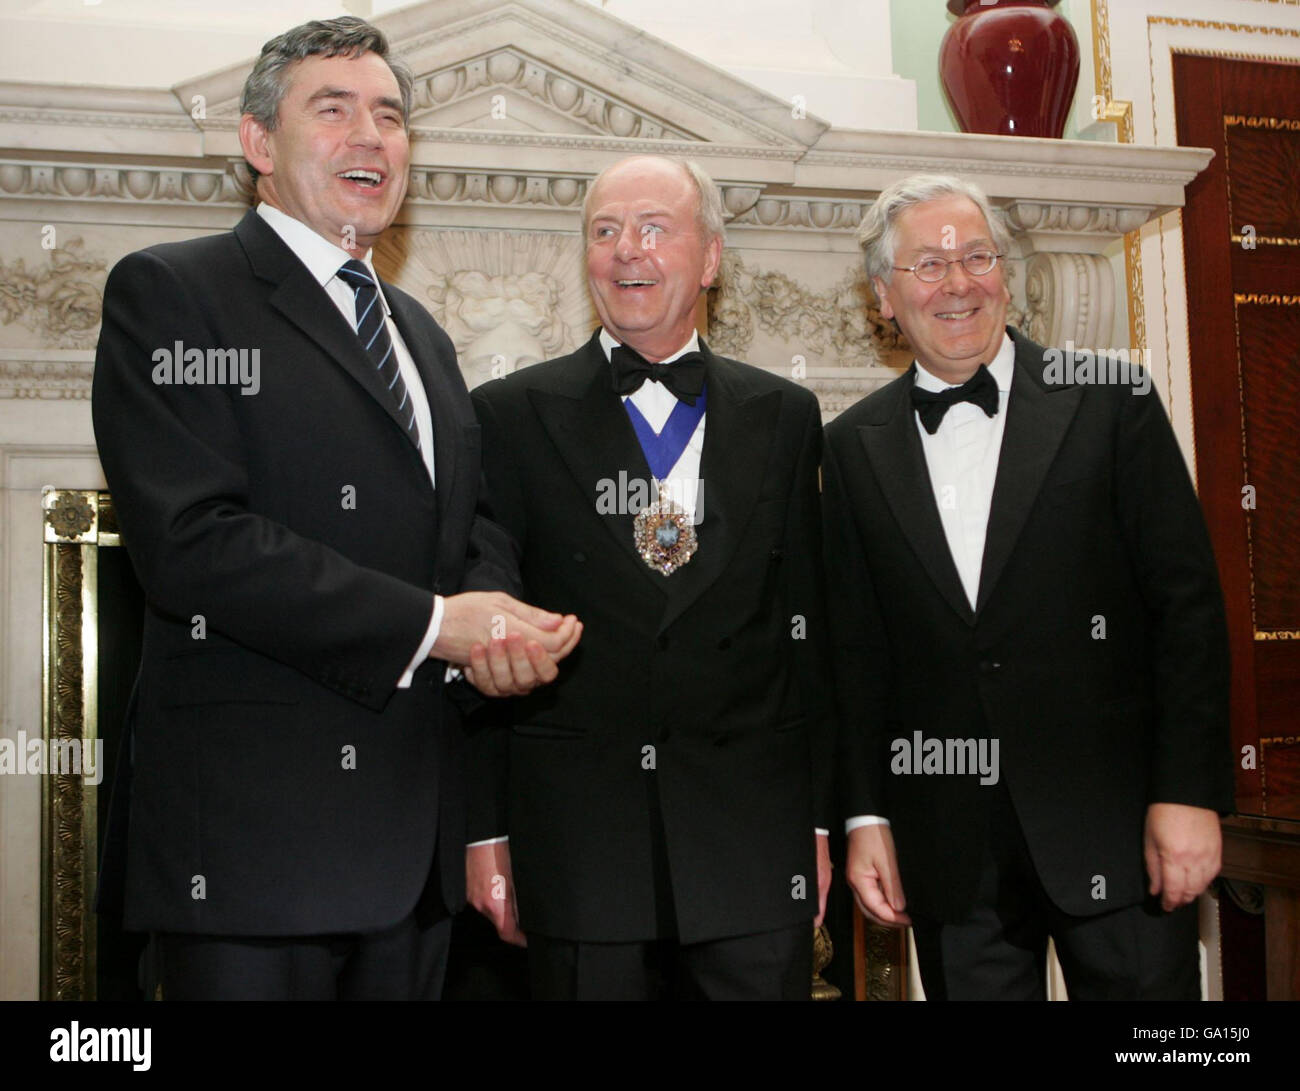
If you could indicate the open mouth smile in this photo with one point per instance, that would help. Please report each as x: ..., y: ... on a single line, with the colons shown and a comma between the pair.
x: 366, y: 179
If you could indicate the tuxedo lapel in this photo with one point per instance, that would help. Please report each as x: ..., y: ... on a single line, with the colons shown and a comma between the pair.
x: 589, y: 427
x: 895, y: 452
x: 301, y: 300
x: 738, y: 430
x: 1038, y: 417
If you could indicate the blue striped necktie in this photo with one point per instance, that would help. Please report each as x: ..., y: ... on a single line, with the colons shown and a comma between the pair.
x: 375, y: 339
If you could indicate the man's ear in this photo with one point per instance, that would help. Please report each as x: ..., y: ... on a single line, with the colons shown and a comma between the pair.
x: 882, y: 294
x: 712, y: 259
x: 255, y: 141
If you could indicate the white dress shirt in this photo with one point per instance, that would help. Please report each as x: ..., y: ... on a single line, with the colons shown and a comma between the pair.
x: 323, y: 260
x: 655, y: 402
x: 962, y: 460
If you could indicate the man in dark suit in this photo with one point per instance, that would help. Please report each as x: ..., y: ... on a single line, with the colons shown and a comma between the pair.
x: 656, y: 807
x: 1030, y: 645
x: 296, y: 467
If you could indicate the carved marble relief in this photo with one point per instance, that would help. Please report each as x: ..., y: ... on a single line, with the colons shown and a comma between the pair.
x: 474, y: 92
x: 838, y: 327
x: 506, y: 299
x: 58, y: 299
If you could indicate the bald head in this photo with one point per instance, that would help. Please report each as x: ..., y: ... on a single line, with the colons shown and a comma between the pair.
x: 708, y: 201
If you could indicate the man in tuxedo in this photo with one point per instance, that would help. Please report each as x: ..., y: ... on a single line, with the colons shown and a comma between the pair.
x: 296, y: 467
x: 655, y: 808
x: 1031, y: 653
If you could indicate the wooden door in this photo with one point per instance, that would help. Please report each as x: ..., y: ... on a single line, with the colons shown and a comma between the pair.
x: 1241, y: 238
x: 1241, y: 231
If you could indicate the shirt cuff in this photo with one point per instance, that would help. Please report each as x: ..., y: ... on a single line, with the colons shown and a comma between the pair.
x: 488, y: 841
x: 426, y: 645
x: 852, y: 824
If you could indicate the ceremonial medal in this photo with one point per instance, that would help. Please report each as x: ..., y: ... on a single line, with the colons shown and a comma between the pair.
x: 664, y: 534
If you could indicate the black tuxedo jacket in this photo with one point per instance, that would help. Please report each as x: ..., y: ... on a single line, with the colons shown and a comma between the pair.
x: 289, y: 543
x: 706, y: 676
x: 1093, y: 518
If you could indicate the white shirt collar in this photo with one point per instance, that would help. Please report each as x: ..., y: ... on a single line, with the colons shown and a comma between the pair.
x: 608, y: 342
x: 322, y: 258
x: 1001, y: 367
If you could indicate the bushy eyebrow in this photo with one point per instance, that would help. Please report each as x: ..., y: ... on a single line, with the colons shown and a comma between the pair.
x: 351, y: 96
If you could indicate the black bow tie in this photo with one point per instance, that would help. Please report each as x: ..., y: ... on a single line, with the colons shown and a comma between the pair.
x: 684, y: 376
x: 980, y: 389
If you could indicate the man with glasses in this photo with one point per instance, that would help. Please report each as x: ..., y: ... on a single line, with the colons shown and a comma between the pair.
x: 1029, y: 638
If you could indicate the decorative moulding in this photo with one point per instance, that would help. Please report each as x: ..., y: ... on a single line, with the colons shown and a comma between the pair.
x: 577, y: 89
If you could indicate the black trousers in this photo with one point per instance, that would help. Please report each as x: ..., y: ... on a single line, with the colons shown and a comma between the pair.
x: 765, y: 966
x: 999, y: 952
x: 405, y: 962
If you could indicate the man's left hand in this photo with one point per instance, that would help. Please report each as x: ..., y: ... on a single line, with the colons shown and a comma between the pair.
x: 824, y: 869
x: 510, y: 666
x: 1183, y: 847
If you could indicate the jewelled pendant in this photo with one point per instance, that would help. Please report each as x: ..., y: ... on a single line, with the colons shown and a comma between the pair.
x: 664, y: 534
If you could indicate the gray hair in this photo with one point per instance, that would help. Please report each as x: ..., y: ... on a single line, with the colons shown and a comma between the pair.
x: 708, y: 213
x: 346, y: 36
x: 877, y: 234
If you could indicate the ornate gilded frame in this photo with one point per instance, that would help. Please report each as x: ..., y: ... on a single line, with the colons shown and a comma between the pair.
x: 76, y: 524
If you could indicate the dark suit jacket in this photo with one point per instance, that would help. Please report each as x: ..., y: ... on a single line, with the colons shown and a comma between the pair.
x: 1093, y: 515
x: 281, y: 783
x: 700, y: 666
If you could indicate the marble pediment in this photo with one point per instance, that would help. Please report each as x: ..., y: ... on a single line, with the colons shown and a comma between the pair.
x: 552, y: 78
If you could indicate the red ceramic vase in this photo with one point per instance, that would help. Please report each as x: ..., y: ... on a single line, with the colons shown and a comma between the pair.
x: 1009, y: 67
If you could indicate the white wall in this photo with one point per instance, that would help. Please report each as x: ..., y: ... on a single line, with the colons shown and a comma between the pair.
x: 835, y: 54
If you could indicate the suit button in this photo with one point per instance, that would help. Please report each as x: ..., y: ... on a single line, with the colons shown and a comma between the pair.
x: 987, y: 666
x: 580, y: 557
x: 663, y: 643
x: 724, y: 643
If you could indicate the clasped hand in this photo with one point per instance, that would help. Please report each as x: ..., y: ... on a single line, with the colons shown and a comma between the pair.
x: 505, y: 647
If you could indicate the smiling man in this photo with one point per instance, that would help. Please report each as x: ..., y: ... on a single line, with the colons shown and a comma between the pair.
x: 316, y: 551
x: 1021, y: 574
x: 656, y: 808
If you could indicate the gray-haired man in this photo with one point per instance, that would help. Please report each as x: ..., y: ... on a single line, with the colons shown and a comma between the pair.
x: 1029, y: 639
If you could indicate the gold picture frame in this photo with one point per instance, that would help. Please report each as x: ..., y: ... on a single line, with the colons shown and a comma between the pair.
x: 76, y: 524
